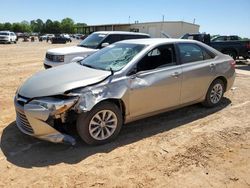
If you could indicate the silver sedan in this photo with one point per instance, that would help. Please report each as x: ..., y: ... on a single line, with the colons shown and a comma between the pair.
x: 123, y: 82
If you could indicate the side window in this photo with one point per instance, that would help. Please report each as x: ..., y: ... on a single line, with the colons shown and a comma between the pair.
x: 112, y: 39
x: 220, y: 39
x: 159, y: 57
x: 207, y: 54
x: 127, y: 37
x: 233, y: 38
x: 191, y: 53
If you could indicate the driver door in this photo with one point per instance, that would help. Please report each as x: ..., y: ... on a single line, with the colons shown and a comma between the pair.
x: 157, y: 83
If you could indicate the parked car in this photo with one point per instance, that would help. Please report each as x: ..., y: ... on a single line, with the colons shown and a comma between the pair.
x: 94, y: 42
x: 121, y: 83
x: 46, y: 37
x: 79, y: 36
x: 7, y: 37
x: 60, y: 39
x: 225, y: 44
x: 20, y: 35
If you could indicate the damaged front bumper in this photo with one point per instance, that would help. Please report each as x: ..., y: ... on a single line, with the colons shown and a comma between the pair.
x: 34, y: 118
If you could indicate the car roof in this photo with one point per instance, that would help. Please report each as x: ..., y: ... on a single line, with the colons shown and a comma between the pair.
x: 121, y: 33
x: 154, y: 41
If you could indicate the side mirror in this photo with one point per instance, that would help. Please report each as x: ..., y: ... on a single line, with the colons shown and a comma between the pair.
x: 105, y: 44
x: 76, y: 59
x: 133, y: 72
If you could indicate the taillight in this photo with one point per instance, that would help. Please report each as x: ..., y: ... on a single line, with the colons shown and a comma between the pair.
x: 248, y: 45
x: 232, y: 63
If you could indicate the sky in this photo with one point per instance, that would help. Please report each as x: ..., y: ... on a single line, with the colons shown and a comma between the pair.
x: 224, y: 17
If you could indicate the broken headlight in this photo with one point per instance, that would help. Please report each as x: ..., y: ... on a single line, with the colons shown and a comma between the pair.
x: 55, y: 105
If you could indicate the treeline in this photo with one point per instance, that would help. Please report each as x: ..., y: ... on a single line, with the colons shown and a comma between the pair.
x: 67, y: 25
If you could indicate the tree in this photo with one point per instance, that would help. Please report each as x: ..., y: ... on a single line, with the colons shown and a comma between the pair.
x: 67, y: 25
x: 17, y: 27
x: 40, y: 25
x: 56, y: 27
x: 26, y: 26
x: 48, y: 26
x: 7, y: 26
x: 37, y: 25
x: 1, y: 26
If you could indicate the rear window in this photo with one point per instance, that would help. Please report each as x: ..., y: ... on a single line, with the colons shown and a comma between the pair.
x: 192, y: 52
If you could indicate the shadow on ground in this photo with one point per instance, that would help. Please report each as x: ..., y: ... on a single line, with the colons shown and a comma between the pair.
x: 28, y: 152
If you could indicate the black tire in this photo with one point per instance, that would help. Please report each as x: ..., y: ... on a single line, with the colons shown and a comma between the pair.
x: 84, y: 119
x: 209, y: 101
x: 232, y: 53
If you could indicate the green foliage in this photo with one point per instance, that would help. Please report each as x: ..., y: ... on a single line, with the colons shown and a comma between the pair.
x: 67, y: 25
x: 7, y: 26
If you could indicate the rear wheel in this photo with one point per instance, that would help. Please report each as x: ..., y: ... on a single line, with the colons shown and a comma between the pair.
x: 101, y: 125
x: 215, y: 93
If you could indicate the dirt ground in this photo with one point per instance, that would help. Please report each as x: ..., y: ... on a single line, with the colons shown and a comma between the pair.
x: 189, y: 147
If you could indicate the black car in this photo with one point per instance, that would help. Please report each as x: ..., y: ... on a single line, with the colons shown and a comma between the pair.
x: 60, y: 39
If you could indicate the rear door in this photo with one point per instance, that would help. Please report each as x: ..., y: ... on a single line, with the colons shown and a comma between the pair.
x: 156, y: 84
x: 198, y: 69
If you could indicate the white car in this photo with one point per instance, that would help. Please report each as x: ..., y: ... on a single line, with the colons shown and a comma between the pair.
x: 7, y: 37
x: 46, y: 36
x: 94, y: 42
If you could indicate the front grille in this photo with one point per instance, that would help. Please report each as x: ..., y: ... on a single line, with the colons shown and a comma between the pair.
x: 50, y: 57
x: 23, y: 123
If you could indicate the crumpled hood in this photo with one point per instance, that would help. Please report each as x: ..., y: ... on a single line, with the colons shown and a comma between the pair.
x: 70, y: 50
x: 60, y: 79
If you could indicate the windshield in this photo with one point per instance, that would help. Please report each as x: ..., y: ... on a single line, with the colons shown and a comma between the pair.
x: 113, y: 57
x: 93, y: 40
x: 4, y: 33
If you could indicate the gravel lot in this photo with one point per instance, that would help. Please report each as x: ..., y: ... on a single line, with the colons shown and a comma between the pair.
x: 190, y: 147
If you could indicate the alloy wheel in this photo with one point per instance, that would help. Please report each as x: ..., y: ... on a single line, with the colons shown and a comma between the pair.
x: 216, y: 93
x: 103, y: 124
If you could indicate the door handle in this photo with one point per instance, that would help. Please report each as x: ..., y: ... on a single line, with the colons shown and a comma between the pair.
x: 212, y: 65
x: 176, y: 74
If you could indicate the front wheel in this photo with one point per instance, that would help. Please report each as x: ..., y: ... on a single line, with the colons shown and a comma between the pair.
x: 101, y: 125
x: 215, y: 93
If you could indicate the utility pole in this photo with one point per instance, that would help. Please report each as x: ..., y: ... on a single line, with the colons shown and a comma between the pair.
x: 163, y: 18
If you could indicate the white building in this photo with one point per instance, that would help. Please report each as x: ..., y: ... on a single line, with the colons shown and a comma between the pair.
x: 174, y: 29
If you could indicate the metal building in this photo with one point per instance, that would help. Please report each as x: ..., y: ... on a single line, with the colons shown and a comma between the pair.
x: 174, y: 29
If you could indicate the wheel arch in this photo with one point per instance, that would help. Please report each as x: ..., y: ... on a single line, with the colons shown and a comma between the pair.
x: 220, y: 78
x: 223, y: 79
x: 118, y: 102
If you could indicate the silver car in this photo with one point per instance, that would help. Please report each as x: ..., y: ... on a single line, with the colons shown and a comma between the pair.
x: 123, y: 82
